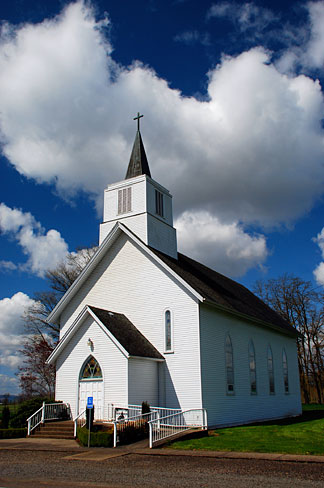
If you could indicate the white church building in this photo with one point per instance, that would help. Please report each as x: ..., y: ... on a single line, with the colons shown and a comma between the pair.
x: 143, y: 322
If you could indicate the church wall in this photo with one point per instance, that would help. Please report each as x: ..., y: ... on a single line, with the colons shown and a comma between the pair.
x: 242, y: 406
x: 138, y: 198
x: 136, y: 223
x: 128, y: 281
x: 162, y: 236
x: 143, y: 384
x: 112, y: 362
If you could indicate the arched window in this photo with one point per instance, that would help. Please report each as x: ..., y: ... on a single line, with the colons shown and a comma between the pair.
x: 285, y: 370
x: 270, y: 371
x: 252, y: 365
x: 91, y: 369
x: 229, y: 365
x: 168, y: 331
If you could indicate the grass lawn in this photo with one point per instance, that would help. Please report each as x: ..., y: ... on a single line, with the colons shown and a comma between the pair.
x: 302, y: 435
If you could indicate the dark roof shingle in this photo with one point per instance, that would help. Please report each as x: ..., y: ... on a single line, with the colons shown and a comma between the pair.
x: 220, y: 290
x: 126, y: 334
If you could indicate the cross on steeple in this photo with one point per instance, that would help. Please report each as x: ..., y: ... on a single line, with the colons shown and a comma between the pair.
x: 138, y: 120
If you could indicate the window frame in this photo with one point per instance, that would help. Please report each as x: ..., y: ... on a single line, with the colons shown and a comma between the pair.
x: 171, y: 349
x: 285, y: 371
x: 159, y: 203
x: 124, y: 200
x: 229, y: 365
x: 252, y: 368
x: 84, y: 365
x: 271, y: 376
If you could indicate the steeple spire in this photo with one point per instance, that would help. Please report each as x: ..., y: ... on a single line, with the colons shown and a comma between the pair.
x: 138, y: 164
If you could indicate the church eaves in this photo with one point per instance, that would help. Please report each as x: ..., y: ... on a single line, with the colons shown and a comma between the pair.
x: 138, y: 164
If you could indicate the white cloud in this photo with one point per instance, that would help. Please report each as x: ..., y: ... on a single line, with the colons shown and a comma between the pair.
x: 44, y: 250
x: 225, y: 247
x: 8, y: 384
x: 319, y: 270
x: 246, y: 16
x: 314, y: 55
x: 12, y: 331
x: 7, y: 265
x: 193, y: 37
x: 253, y: 153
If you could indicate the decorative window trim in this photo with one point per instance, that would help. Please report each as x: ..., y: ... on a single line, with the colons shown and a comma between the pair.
x: 159, y: 203
x: 92, y: 370
x: 229, y: 366
x: 168, y: 350
x: 271, y: 376
x: 252, y: 368
x: 124, y: 204
x: 285, y: 371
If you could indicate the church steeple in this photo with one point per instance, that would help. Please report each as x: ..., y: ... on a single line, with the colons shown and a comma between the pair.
x: 141, y: 204
x: 138, y: 164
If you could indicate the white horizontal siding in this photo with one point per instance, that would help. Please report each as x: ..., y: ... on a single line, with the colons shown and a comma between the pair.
x: 112, y: 362
x: 143, y: 385
x: 243, y: 406
x: 128, y: 281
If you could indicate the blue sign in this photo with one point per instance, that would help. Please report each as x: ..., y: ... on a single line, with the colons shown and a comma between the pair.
x: 90, y: 402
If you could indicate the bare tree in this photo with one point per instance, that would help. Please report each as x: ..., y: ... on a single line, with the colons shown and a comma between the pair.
x: 302, y: 306
x: 35, y: 376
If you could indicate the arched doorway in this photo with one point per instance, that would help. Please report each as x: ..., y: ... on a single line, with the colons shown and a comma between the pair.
x: 91, y: 385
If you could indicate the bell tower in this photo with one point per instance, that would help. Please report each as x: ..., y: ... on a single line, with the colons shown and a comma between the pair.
x: 140, y: 203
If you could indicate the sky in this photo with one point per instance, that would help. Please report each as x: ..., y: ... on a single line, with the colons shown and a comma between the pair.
x: 233, y: 107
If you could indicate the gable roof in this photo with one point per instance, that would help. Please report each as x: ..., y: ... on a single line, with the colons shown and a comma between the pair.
x: 115, y: 232
x: 126, y: 334
x: 223, y: 292
x: 203, y: 283
x: 122, y: 332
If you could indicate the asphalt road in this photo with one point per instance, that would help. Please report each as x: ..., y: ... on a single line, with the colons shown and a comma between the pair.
x: 38, y: 469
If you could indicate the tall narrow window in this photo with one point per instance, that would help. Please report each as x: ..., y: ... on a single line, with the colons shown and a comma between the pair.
x: 168, y: 331
x: 252, y: 365
x: 159, y: 203
x: 270, y: 371
x: 285, y: 370
x: 229, y: 365
x: 124, y: 200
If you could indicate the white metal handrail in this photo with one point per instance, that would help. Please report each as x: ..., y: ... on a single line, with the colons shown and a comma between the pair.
x: 136, y: 421
x: 133, y: 410
x: 79, y: 420
x: 170, y: 425
x: 48, y: 411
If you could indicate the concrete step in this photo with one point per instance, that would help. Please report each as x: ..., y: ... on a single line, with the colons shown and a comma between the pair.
x: 53, y: 436
x: 55, y: 430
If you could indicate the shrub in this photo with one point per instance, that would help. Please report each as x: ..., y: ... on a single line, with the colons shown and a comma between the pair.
x: 97, y: 439
x: 145, y: 407
x: 133, y: 433
x: 25, y: 410
x: 12, y: 433
x: 5, y: 417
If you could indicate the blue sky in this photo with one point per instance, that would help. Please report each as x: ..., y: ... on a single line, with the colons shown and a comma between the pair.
x: 233, y: 126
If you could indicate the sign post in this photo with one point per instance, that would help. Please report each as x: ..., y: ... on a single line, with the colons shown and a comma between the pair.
x: 89, y: 407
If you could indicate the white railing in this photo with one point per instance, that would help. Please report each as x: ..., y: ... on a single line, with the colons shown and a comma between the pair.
x: 80, y: 421
x: 114, y: 411
x: 163, y: 427
x: 48, y: 411
x: 136, y: 422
